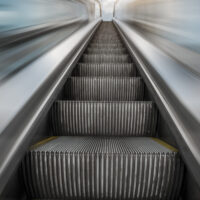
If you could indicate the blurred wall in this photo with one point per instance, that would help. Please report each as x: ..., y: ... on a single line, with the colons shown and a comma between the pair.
x: 15, y: 14
x: 107, y: 9
x: 175, y: 20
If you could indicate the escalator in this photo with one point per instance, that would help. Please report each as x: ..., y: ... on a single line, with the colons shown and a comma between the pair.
x: 105, y: 142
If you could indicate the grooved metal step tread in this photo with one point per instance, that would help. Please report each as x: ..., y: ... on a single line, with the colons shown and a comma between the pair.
x: 107, y: 41
x: 104, y: 58
x: 108, y: 48
x: 106, y: 51
x: 109, y: 69
x: 102, y: 168
x: 112, y: 38
x: 99, y: 42
x: 104, y: 88
x: 105, y: 45
x: 107, y: 33
x: 82, y: 118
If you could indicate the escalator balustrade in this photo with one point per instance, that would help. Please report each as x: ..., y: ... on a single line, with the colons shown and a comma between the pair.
x: 105, y: 143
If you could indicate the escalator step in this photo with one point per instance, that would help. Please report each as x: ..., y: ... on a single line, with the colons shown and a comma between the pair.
x: 102, y: 168
x: 108, y: 48
x: 82, y: 118
x: 104, y: 45
x: 106, y: 51
x: 103, y: 58
x: 120, y: 69
x: 111, y: 37
x: 107, y: 40
x: 105, y: 88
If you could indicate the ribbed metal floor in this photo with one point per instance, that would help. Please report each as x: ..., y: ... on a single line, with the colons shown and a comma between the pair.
x: 102, y: 146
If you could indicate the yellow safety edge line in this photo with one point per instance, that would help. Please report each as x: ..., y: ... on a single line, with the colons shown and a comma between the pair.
x: 43, y: 142
x: 165, y: 144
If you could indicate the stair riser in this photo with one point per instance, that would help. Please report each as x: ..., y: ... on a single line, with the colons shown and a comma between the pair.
x: 112, y: 37
x: 106, y: 58
x: 104, y: 119
x: 107, y: 48
x: 105, y: 51
x: 107, y: 40
x: 105, y: 70
x: 105, y: 45
x: 102, y: 176
x: 105, y: 89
